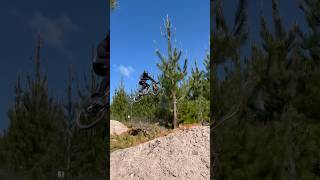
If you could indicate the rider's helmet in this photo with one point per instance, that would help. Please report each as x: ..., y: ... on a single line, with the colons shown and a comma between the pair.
x: 145, y: 73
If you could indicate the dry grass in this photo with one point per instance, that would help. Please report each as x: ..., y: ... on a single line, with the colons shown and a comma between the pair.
x: 126, y: 140
x: 188, y: 126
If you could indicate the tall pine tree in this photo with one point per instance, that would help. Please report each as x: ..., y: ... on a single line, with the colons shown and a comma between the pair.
x: 172, y: 73
x: 35, y: 130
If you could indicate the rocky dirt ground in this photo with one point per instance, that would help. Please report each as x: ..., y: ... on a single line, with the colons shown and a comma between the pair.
x: 184, y: 154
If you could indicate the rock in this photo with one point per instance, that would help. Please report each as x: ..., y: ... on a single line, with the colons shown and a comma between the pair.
x: 117, y: 128
x: 181, y: 155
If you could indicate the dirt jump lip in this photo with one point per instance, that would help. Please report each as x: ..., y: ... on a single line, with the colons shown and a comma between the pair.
x: 184, y: 154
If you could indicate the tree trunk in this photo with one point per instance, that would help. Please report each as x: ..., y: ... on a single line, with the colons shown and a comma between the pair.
x: 68, y: 155
x: 174, y: 98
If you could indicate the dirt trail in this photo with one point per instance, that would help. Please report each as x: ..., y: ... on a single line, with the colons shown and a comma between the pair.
x: 184, y: 154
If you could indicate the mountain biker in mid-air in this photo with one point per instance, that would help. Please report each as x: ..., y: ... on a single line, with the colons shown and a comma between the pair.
x: 143, y: 81
x: 101, y: 67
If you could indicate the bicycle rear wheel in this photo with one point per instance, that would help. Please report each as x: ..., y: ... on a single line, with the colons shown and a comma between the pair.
x: 85, y: 119
x: 155, y: 89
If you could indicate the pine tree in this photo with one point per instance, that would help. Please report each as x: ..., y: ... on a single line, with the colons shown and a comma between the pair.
x: 113, y: 4
x: 272, y: 67
x: 195, y: 107
x: 120, y: 103
x: 274, y: 134
x: 2, y: 153
x: 226, y: 92
x: 34, y: 134
x: 206, y: 76
x: 172, y: 73
x: 196, y: 82
x: 145, y: 109
x: 225, y: 45
x: 310, y: 43
x: 70, y: 114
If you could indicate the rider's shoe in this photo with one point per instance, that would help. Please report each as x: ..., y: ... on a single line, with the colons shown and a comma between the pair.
x: 96, y: 106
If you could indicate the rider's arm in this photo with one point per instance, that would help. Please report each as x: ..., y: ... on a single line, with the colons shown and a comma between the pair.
x: 151, y: 79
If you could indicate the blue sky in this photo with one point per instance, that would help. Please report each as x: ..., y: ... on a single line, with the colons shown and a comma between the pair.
x: 288, y: 9
x: 135, y: 34
x: 69, y: 29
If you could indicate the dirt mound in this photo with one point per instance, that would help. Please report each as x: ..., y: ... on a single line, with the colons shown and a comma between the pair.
x: 181, y: 155
x: 117, y: 128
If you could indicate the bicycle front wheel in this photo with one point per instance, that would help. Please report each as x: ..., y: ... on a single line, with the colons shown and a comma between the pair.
x: 86, y: 120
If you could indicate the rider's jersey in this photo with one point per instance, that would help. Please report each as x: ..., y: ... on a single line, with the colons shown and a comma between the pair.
x: 103, y: 51
x: 144, y: 77
x: 102, y: 59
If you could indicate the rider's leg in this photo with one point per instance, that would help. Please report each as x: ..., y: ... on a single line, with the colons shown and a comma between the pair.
x: 101, y: 67
x: 141, y: 83
x: 103, y: 86
x: 147, y: 85
x: 98, y: 98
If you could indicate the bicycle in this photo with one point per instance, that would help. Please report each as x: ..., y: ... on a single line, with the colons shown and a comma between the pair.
x: 154, y: 91
x: 87, y: 118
